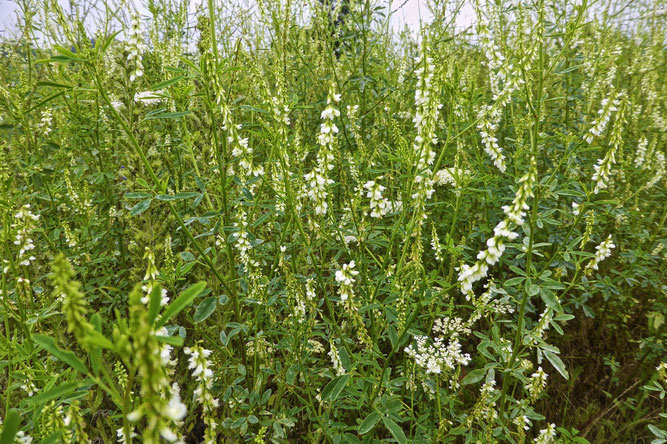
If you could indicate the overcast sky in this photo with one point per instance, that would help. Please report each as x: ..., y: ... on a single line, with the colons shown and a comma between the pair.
x: 410, y: 14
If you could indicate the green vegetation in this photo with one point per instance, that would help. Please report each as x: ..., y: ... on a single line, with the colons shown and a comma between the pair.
x: 293, y: 224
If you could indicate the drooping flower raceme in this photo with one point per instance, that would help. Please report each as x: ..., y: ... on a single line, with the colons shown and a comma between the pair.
x: 335, y: 359
x: 380, y: 205
x: 161, y: 402
x: 25, y: 224
x: 546, y: 436
x: 514, y: 216
x: 659, y: 165
x: 345, y: 279
x: 609, y: 105
x: 425, y: 121
x: 603, y: 167
x: 243, y: 244
x: 318, y: 179
x: 640, y: 156
x: 150, y: 279
x: 239, y: 145
x: 201, y: 371
x: 538, y: 381
x: 602, y: 252
x: 135, y: 47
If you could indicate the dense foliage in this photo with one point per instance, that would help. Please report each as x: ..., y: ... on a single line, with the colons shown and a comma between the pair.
x: 292, y: 224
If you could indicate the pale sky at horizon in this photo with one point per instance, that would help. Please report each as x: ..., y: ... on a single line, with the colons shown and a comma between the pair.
x: 409, y: 14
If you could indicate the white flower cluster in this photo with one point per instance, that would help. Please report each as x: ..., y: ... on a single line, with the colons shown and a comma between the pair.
x: 522, y: 422
x: 486, y: 304
x: 542, y: 324
x: 450, y: 176
x: 451, y: 327
x: 310, y: 289
x: 80, y: 205
x: 547, y: 435
x: 318, y: 183
x: 603, y: 167
x: 487, y: 129
x: 538, y: 381
x: 345, y: 279
x: 659, y: 163
x: 23, y: 240
x: 495, y: 58
x: 380, y: 205
x: 640, y: 156
x: 202, y: 372
x: 29, y: 387
x: 335, y: 359
x: 504, y: 79
x: 238, y: 144
x: 438, y: 357
x: 609, y: 105
x: 318, y: 180
x: 45, y: 123
x: 436, y: 246
x: 22, y: 437
x: 165, y: 350
x: 485, y: 408
x: 602, y: 252
x: 243, y: 244
x: 515, y: 214
x: 425, y: 120
x: 173, y: 411
x: 135, y: 47
x: 328, y: 129
x: 280, y: 114
x: 150, y: 279
x: 149, y: 97
x: 662, y: 371
x: 122, y: 438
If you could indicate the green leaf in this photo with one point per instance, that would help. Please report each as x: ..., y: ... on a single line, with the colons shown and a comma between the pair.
x: 174, y: 115
x: 140, y: 207
x: 570, y: 69
x: 154, y: 304
x: 184, y: 300
x: 533, y: 290
x: 395, y: 429
x: 252, y: 108
x: 205, y: 309
x: 176, y: 341
x: 57, y: 392
x: 368, y: 424
x: 52, y: 439
x: 10, y: 427
x: 49, y: 344
x: 187, y: 256
x: 54, y: 85
x: 136, y: 195
x: 550, y: 300
x: 344, y: 358
x: 98, y: 339
x: 95, y: 355
x: 334, y: 388
x: 474, y: 376
x: 179, y: 196
x: 166, y: 83
x: 514, y: 281
x: 556, y: 362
